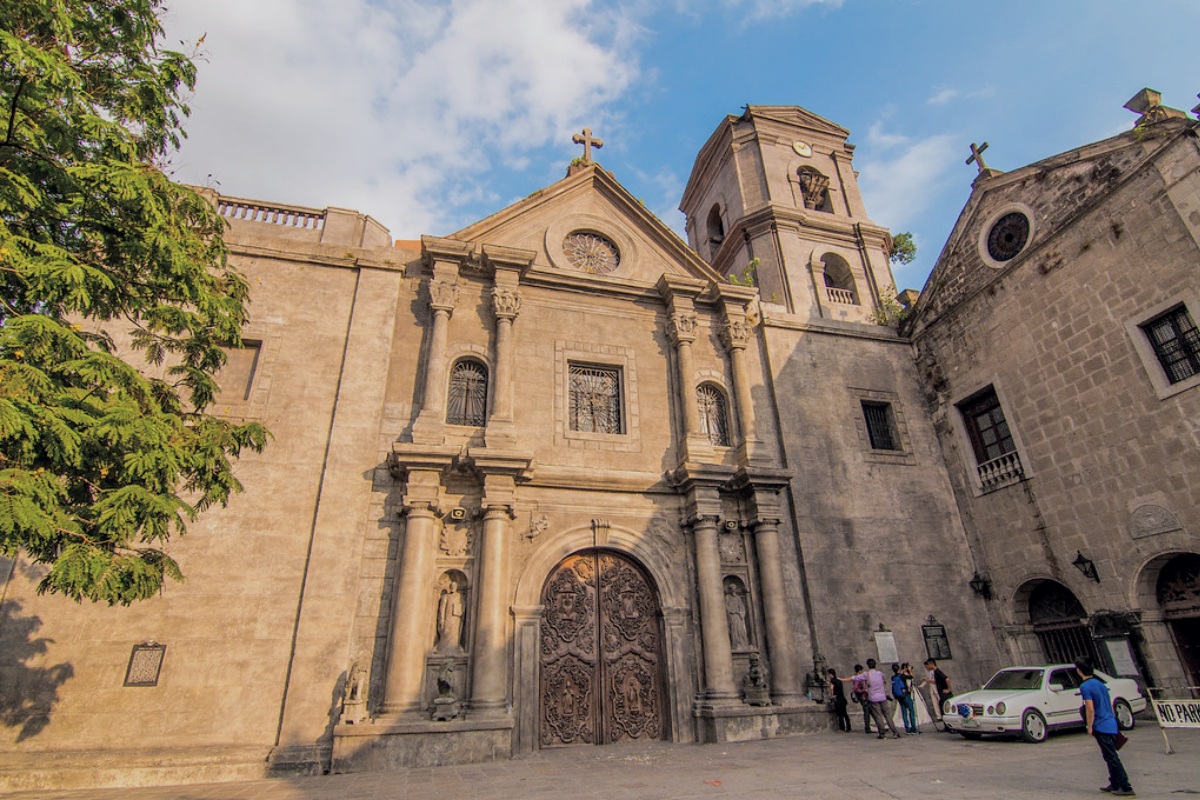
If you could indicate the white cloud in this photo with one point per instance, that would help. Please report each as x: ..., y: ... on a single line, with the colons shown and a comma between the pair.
x: 769, y: 9
x: 395, y: 107
x: 898, y: 188
x: 943, y: 96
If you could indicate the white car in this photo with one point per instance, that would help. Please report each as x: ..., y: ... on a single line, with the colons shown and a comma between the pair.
x: 1032, y: 701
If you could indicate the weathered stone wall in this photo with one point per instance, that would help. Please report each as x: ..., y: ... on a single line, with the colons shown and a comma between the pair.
x: 1052, y: 332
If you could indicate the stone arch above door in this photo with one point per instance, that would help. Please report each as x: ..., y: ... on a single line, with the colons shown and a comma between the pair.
x: 653, y: 555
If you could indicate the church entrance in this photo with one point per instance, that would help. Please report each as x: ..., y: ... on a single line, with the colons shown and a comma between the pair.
x: 1059, y: 621
x: 601, y: 653
x: 1178, y: 593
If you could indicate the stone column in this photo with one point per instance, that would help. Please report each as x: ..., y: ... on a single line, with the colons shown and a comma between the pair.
x: 489, y: 664
x: 714, y: 627
x: 506, y: 304
x: 408, y: 639
x: 785, y: 675
x: 735, y: 335
x: 682, y: 332
x: 431, y: 421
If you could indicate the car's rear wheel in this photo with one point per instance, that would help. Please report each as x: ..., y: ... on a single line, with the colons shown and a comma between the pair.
x: 1033, y: 727
x: 1124, y: 715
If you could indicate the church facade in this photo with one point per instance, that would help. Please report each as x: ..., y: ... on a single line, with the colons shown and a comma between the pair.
x: 562, y: 479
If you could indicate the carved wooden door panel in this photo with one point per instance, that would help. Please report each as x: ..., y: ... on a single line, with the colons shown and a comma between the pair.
x: 601, y: 662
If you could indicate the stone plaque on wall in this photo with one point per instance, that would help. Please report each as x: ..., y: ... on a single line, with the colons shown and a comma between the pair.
x: 1150, y: 519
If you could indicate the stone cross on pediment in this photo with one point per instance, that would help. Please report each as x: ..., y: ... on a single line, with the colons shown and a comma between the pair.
x: 977, y: 156
x: 588, y: 143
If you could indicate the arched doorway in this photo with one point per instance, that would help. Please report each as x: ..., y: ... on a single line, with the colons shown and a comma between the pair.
x: 1059, y: 621
x: 1178, y: 592
x: 601, y: 653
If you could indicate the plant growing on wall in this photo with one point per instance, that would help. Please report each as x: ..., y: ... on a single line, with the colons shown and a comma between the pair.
x: 106, y: 452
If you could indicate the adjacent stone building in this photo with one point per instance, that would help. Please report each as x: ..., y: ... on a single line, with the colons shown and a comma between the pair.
x: 1059, y: 355
x: 562, y: 479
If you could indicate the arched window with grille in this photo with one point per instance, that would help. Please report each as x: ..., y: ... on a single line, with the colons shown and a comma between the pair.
x: 714, y: 419
x: 466, y: 402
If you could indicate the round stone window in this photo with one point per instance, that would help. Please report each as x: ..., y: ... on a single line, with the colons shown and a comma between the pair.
x: 591, y: 252
x: 1008, y: 236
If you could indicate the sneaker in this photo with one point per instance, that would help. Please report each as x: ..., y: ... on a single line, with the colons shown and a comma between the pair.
x: 1126, y: 792
x: 1108, y: 789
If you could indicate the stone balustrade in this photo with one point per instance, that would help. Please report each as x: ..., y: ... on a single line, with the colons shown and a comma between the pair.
x: 843, y: 296
x: 234, y: 208
x: 1000, y: 472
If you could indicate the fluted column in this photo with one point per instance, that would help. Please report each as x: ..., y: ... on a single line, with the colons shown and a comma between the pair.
x: 408, y: 639
x: 714, y: 627
x: 489, y: 667
x: 785, y: 675
x: 431, y: 421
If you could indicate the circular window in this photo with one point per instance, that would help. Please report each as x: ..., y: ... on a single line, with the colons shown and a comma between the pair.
x: 591, y: 252
x: 1008, y: 236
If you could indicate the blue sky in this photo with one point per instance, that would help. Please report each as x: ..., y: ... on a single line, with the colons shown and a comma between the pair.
x: 430, y: 115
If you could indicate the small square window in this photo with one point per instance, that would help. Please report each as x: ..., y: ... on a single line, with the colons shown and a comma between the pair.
x: 595, y: 399
x: 1176, y: 343
x: 881, y: 425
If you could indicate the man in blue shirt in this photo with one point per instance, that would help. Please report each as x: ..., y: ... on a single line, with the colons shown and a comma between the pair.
x: 1102, y: 724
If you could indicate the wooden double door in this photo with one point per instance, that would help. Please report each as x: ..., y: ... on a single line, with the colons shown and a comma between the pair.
x: 601, y: 653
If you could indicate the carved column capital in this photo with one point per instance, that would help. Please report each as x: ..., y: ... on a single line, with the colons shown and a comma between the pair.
x: 681, y: 327
x: 443, y: 295
x: 506, y: 303
x: 735, y: 333
x: 704, y: 521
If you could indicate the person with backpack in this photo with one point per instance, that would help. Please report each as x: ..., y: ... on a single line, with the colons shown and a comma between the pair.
x: 858, y: 691
x: 903, y: 695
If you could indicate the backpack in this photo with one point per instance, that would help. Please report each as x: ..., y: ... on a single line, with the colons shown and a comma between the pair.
x: 898, y: 686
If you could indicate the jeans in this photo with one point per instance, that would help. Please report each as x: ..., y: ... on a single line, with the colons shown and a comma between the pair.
x: 1116, y: 771
x: 908, y: 713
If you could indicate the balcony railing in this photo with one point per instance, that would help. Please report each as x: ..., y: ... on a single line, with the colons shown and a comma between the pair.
x: 273, y: 214
x: 843, y: 296
x: 1000, y: 472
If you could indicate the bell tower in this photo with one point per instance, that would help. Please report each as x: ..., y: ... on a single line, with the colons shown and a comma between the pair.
x: 773, y: 193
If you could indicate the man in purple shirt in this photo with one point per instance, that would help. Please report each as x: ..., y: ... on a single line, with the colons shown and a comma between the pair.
x: 877, y: 695
x: 1102, y: 724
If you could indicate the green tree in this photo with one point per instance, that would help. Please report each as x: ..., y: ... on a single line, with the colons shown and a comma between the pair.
x: 904, y: 249
x: 116, y: 299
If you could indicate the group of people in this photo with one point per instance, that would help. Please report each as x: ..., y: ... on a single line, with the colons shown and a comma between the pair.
x: 875, y: 693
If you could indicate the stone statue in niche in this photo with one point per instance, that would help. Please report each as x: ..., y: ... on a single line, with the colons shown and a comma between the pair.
x: 450, y: 617
x: 735, y: 610
x: 354, y: 701
x: 445, y: 705
x: 754, y: 685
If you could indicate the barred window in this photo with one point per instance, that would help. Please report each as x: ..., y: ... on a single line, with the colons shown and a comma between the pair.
x: 714, y: 421
x: 1176, y: 342
x: 595, y: 398
x: 881, y: 429
x: 467, y: 401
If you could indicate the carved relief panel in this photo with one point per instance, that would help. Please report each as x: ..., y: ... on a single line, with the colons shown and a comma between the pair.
x: 601, y: 653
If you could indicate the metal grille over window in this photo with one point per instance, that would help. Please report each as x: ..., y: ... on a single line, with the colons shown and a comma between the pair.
x: 879, y: 426
x: 1176, y: 342
x: 714, y: 421
x: 595, y: 399
x: 467, y: 403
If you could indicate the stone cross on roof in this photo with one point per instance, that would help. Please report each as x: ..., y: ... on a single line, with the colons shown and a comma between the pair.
x: 588, y: 143
x: 985, y: 171
x: 977, y: 155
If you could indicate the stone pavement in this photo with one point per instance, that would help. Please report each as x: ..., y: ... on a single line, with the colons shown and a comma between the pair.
x: 825, y: 766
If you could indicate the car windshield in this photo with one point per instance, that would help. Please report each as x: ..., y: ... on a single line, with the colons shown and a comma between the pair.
x: 1018, y: 679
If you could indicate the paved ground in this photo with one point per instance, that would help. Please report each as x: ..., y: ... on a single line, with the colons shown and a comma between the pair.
x: 827, y: 766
